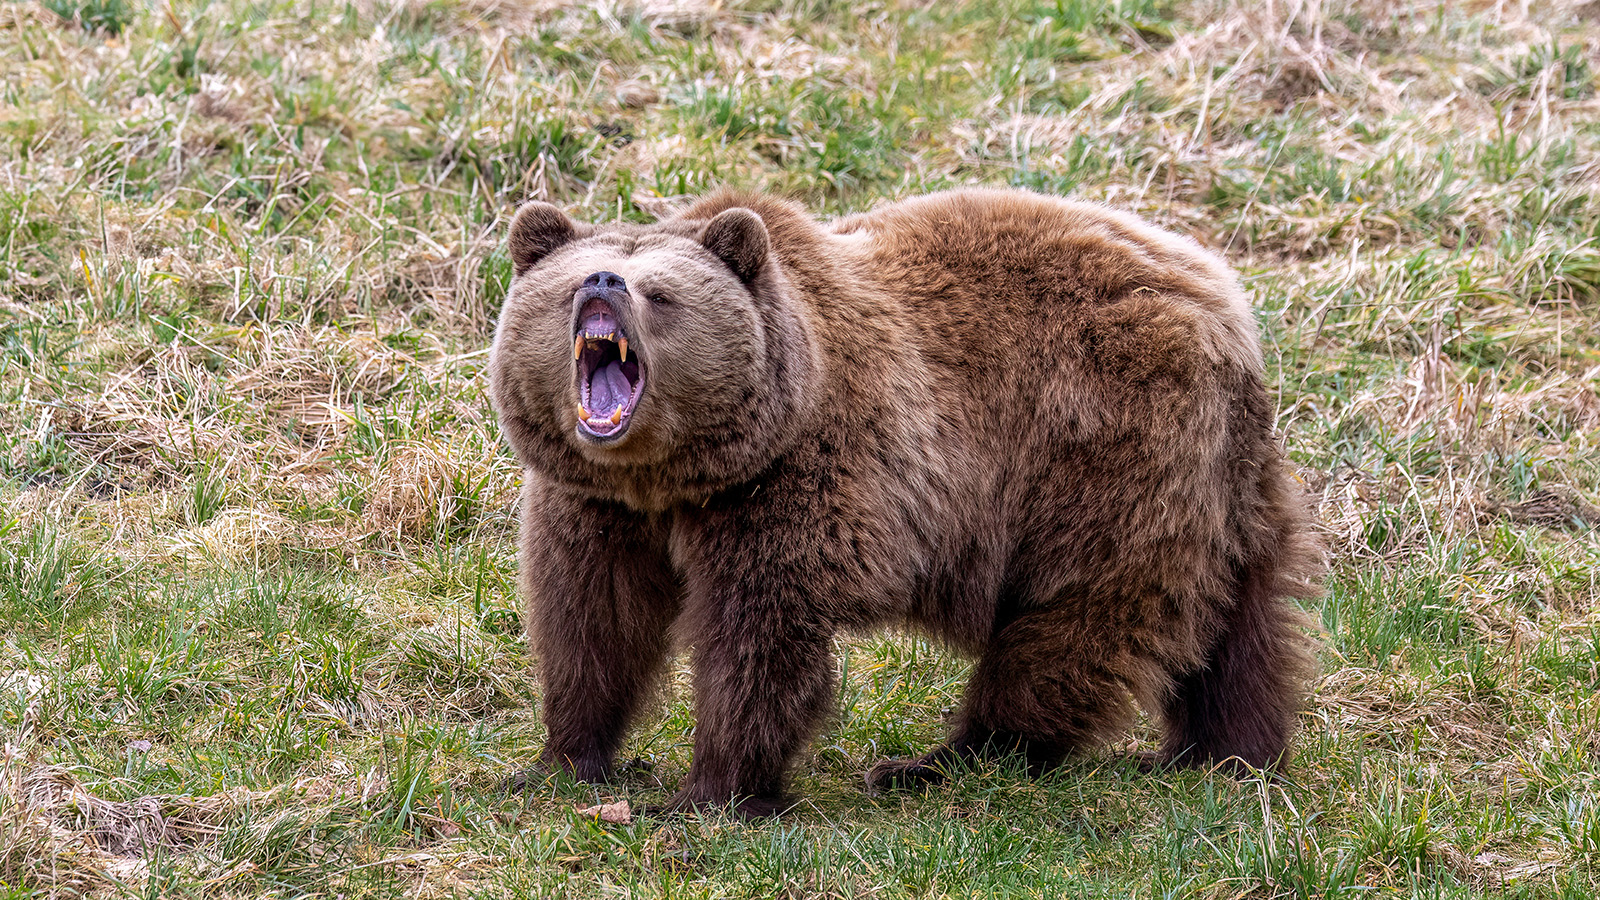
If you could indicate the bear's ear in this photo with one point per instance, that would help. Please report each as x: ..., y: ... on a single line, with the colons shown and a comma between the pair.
x: 739, y: 238
x: 537, y: 229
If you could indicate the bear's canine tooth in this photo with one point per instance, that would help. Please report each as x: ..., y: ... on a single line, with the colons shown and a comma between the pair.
x: 577, y: 347
x: 616, y: 416
x: 623, y: 345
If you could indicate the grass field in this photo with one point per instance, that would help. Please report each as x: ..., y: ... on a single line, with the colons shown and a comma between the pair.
x: 257, y: 628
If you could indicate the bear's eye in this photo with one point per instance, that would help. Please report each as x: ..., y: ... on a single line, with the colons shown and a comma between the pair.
x: 660, y: 299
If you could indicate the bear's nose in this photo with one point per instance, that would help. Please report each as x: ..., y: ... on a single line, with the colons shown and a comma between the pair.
x: 610, y: 281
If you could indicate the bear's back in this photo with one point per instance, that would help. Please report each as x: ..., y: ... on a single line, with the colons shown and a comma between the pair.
x: 978, y: 270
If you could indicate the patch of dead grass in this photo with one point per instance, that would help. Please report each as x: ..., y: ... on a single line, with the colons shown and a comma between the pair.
x: 427, y: 487
x: 57, y: 836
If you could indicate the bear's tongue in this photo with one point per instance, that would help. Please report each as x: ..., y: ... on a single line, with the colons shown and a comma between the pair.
x: 608, y: 388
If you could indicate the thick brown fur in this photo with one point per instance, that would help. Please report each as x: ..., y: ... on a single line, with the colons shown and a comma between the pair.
x: 1035, y: 429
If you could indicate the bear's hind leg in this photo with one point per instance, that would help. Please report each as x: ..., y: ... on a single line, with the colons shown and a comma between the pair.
x: 1240, y: 704
x: 1034, y: 695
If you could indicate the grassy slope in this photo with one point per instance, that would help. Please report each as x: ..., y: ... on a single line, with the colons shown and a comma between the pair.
x: 256, y: 611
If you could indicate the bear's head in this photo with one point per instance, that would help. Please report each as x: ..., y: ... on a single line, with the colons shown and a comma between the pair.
x: 649, y: 364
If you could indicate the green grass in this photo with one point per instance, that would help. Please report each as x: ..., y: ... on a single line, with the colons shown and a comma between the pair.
x: 257, y: 524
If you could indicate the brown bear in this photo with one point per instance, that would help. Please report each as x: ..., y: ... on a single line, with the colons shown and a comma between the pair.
x: 1034, y: 429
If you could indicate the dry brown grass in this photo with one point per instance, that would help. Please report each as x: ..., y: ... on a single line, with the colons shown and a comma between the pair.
x: 59, y: 837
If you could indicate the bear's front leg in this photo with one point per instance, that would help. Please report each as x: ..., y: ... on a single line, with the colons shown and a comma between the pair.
x: 763, y: 668
x: 600, y: 597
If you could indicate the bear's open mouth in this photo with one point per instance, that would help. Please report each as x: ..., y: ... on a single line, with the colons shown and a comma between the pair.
x: 610, y: 373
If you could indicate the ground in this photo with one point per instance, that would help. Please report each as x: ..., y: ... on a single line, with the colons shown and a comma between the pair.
x: 257, y: 628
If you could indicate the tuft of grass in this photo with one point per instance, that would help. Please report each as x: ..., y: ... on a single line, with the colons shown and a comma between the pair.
x: 1563, y: 72
x: 109, y: 16
x: 45, y: 576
